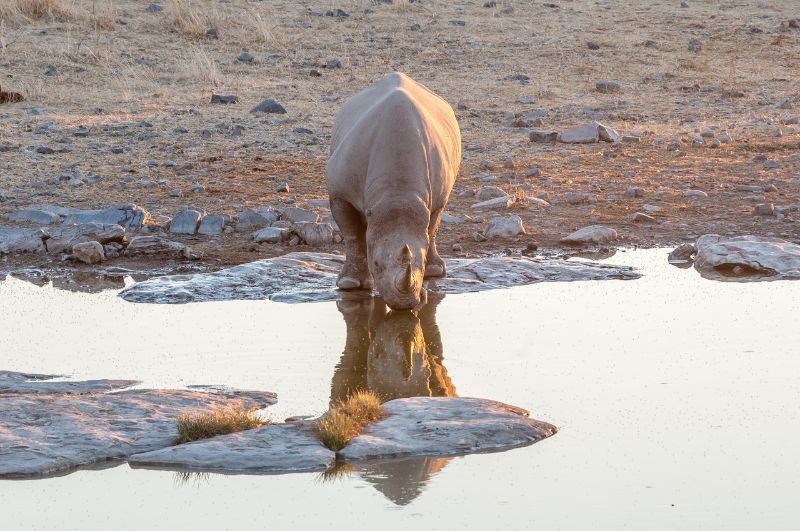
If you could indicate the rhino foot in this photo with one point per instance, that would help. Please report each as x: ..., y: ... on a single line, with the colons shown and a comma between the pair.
x: 434, y: 270
x: 346, y: 282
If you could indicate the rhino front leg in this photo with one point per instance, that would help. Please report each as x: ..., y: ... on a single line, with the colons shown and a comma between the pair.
x: 355, y: 273
x: 434, y: 264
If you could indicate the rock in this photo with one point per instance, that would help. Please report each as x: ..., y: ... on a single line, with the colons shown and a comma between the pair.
x: 448, y: 218
x: 749, y: 188
x: 307, y: 277
x: 770, y: 256
x: 607, y: 134
x: 245, y: 57
x: 535, y: 201
x: 51, y: 432
x: 725, y: 138
x: 154, y: 8
x: 577, y: 198
x: 642, y: 217
x: 271, y: 235
x: 542, y: 136
x: 634, y: 192
x: 128, y: 216
x: 592, y: 45
x: 443, y: 426
x: 770, y: 188
x: 682, y: 253
x: 275, y: 448
x: 89, y: 252
x: 65, y: 237
x: 297, y: 214
x: 224, y: 100
x: 694, y: 46
x: 19, y: 382
x: 498, y: 202
x: 212, y: 225
x: 764, y: 209
x: 185, y: 221
x: 33, y: 215
x: 176, y: 192
x: 591, y: 234
x: 485, y: 177
x: 337, y: 13
x: 269, y: 106
x: 44, y: 150
x: 608, y: 87
x: 698, y: 141
x: 583, y: 134
x: 19, y: 240
x: 256, y: 217
x: 694, y: 193
x: 314, y: 234
x: 155, y: 245
x: 490, y: 192
x: 533, y: 172
x: 282, y: 188
x: 504, y: 227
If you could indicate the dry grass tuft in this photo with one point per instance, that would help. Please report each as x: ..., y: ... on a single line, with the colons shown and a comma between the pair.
x: 219, y: 421
x: 103, y: 15
x: 200, y: 66
x: 347, y: 419
x: 17, y: 12
x: 191, y: 20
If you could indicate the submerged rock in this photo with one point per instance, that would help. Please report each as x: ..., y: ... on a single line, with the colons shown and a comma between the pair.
x: 51, y: 432
x: 425, y: 426
x: 276, y: 448
x: 771, y: 256
x: 306, y: 277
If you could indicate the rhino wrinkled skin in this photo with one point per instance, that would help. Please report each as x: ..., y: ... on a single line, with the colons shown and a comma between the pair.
x: 395, y: 153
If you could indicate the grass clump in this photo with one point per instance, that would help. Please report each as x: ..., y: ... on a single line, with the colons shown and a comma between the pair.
x: 17, y: 12
x: 347, y: 418
x: 218, y: 421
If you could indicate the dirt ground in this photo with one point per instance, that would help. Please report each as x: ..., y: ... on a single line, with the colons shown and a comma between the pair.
x: 117, y: 89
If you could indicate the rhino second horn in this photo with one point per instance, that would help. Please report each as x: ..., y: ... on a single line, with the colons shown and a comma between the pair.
x: 406, y: 255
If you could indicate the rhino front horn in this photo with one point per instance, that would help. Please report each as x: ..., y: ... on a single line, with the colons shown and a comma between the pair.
x: 405, y: 280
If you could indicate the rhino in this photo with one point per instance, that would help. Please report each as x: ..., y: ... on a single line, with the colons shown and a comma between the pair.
x: 395, y: 154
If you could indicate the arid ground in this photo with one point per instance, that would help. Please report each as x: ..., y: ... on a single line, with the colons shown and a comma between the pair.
x: 118, y: 109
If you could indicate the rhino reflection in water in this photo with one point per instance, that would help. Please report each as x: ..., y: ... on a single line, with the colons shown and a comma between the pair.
x: 396, y: 355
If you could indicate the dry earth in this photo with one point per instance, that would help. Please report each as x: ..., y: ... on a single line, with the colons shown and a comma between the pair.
x: 117, y: 89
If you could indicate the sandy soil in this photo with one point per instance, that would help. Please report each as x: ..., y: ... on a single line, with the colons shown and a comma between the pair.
x: 134, y: 77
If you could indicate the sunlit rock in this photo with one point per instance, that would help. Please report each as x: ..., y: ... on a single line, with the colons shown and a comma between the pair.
x: 770, y: 256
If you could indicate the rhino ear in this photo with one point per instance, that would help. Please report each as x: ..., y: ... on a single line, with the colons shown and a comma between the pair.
x: 406, y: 255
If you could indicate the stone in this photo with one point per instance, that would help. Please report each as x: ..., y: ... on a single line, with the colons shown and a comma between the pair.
x: 634, y: 192
x: 314, y: 234
x: 764, y: 209
x: 245, y: 57
x: 19, y: 240
x: 445, y: 426
x: 337, y: 13
x: 51, y: 432
x: 269, y: 106
x: 155, y: 245
x: 577, y: 198
x: 533, y: 172
x: 44, y: 150
x: 591, y: 234
x: 504, y: 227
x: 592, y: 45
x: 608, y: 87
x: 749, y: 188
x: 770, y: 188
x: 770, y: 256
x: 271, y: 235
x: 543, y: 136
x: 33, y: 215
x: 297, y: 214
x: 282, y: 188
x: 154, y: 8
x: 65, y: 237
x: 498, y: 202
x: 20, y: 382
x: 212, y: 225
x: 642, y: 217
x: 682, y: 253
x: 311, y: 276
x: 449, y: 218
x: 272, y: 449
x: 221, y: 99
x: 583, y: 134
x: 256, y: 217
x: 695, y: 193
x: 128, y: 216
x: 694, y: 45
x: 490, y: 192
x: 89, y: 252
x: 185, y: 221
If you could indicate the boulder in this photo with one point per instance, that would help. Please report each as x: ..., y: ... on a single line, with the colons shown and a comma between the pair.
x: 65, y: 237
x: 444, y: 426
x: 154, y: 245
x: 583, y: 134
x: 19, y: 240
x: 53, y: 432
x: 297, y: 214
x: 504, y: 227
x: 128, y: 216
x: 770, y: 256
x: 89, y: 252
x: 314, y: 234
x: 256, y: 217
x: 682, y: 253
x: 311, y: 276
x: 185, y: 221
x: 275, y: 448
x: 591, y: 234
x: 271, y: 235
x: 212, y: 225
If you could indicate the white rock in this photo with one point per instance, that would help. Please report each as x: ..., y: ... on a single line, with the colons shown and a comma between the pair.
x: 583, y: 134
x: 490, y: 192
x: 449, y: 218
x: 694, y: 193
x: 535, y: 201
x: 212, y: 225
x: 89, y: 252
x: 271, y: 235
x: 498, y: 202
x: 186, y: 221
x: 297, y: 214
x: 256, y: 217
x: 276, y: 448
x: 314, y: 234
x: 504, y: 227
x: 768, y: 255
x: 591, y: 234
x: 423, y: 426
x: 19, y: 240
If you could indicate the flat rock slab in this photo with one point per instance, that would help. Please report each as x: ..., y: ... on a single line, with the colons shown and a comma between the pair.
x: 47, y: 433
x: 19, y: 240
x: 273, y: 449
x: 772, y: 256
x: 17, y: 382
x: 128, y: 216
x: 308, y: 277
x: 424, y: 426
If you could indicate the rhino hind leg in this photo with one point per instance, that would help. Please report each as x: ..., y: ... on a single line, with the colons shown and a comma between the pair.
x: 355, y: 273
x: 434, y: 264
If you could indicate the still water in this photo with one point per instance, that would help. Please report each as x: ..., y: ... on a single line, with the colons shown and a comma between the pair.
x: 677, y: 399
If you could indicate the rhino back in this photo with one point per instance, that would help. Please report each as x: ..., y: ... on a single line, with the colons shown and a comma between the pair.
x: 394, y: 137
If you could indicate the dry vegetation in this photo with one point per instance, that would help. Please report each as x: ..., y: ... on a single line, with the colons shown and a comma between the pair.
x: 218, y: 421
x: 347, y: 418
